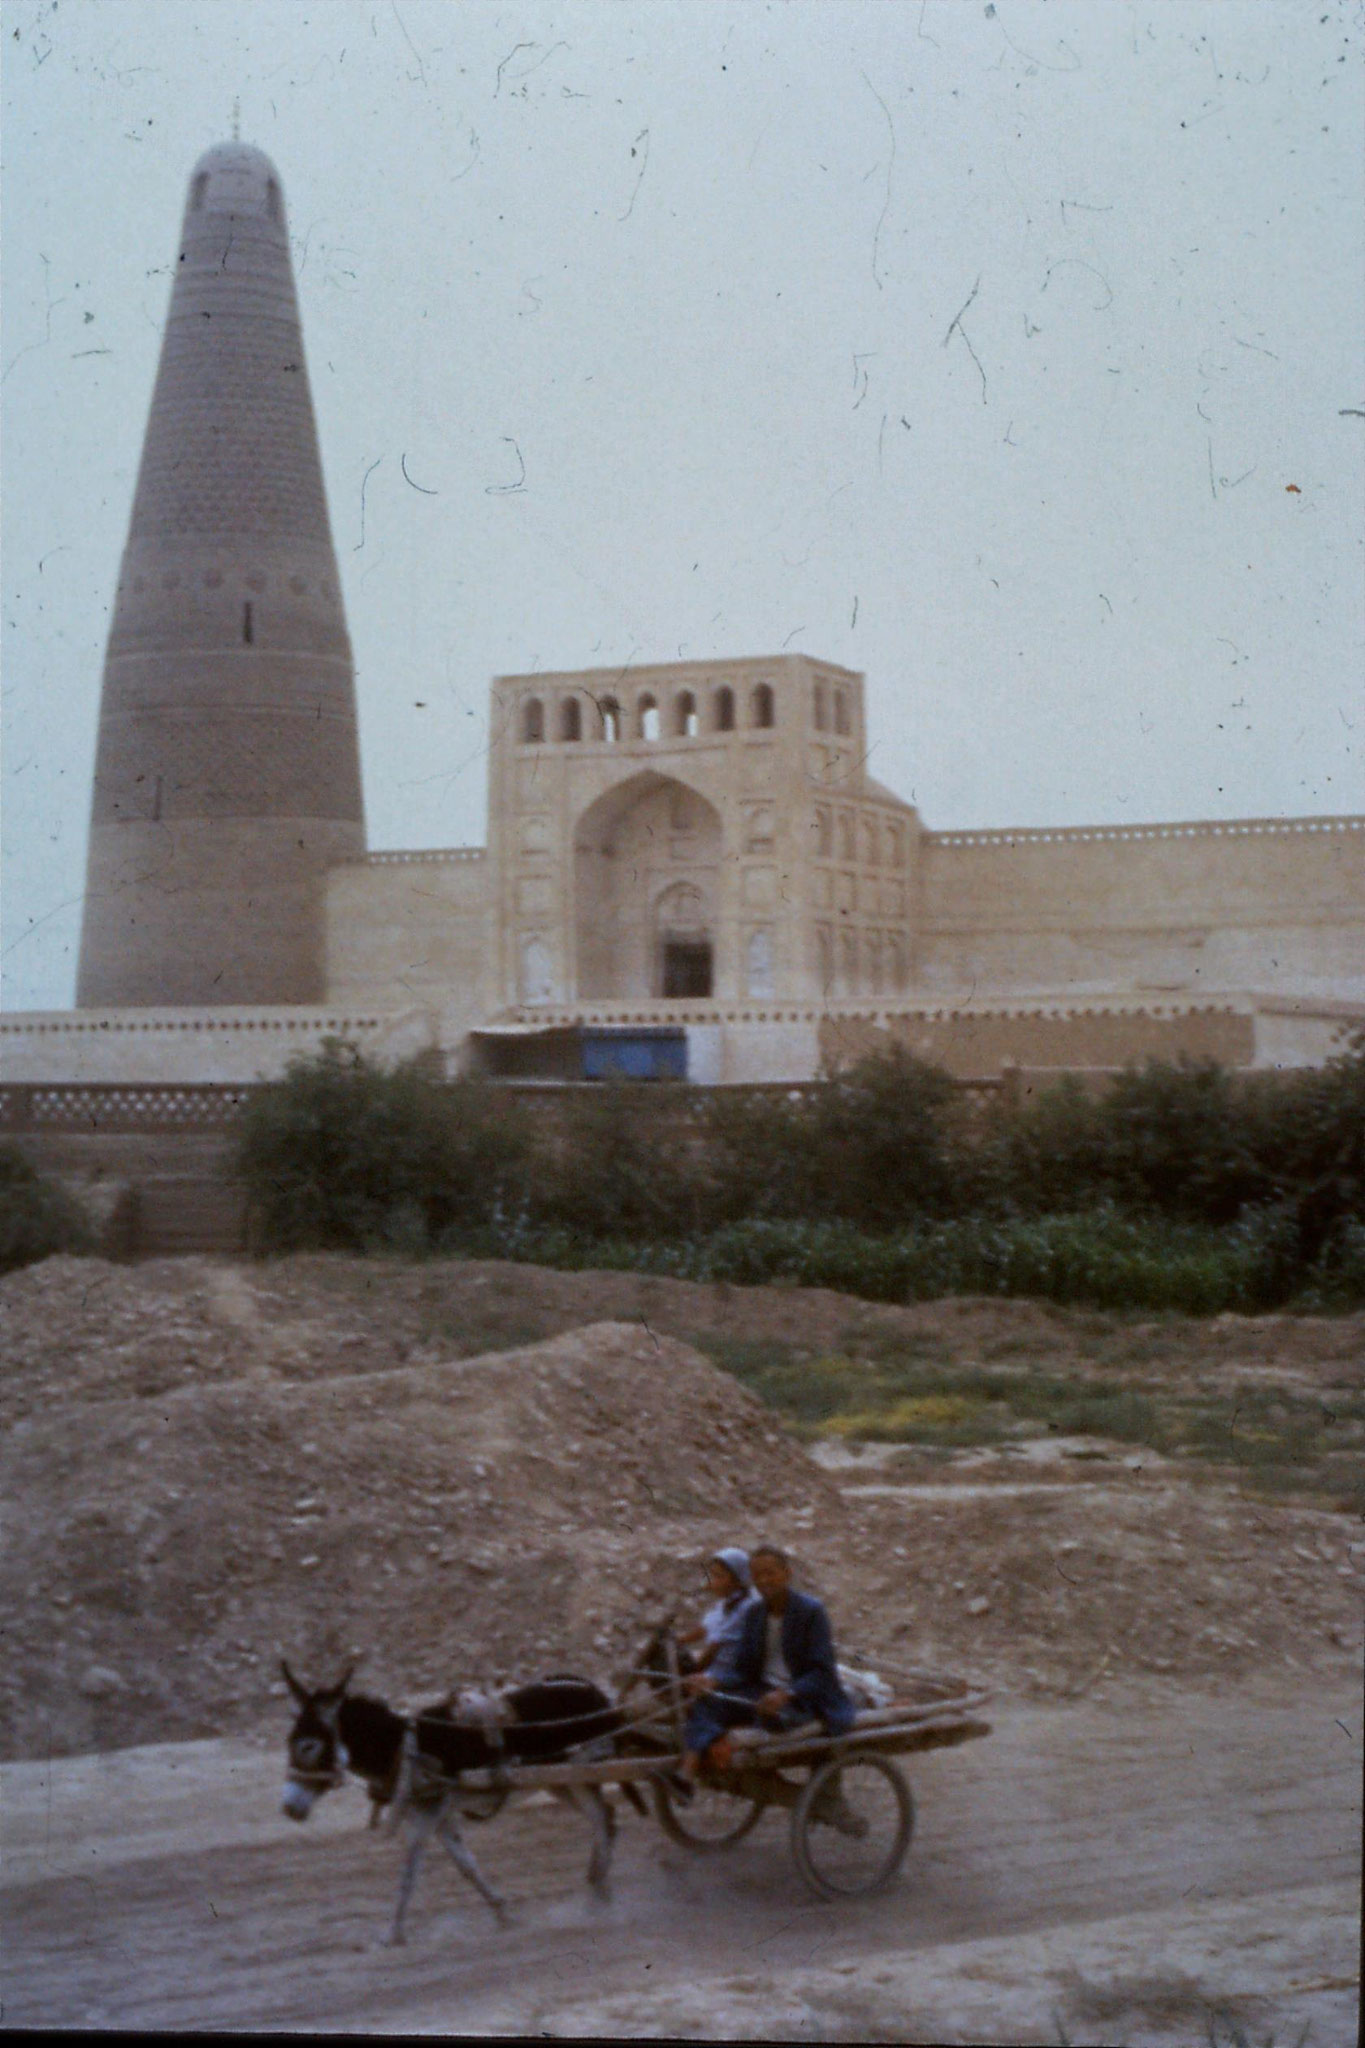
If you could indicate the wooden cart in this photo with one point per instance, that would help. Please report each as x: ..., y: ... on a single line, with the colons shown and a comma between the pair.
x: 851, y: 1807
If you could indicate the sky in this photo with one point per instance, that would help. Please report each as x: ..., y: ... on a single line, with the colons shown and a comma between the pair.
x: 1009, y: 353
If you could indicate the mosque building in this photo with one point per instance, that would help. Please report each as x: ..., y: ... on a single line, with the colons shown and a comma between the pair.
x: 688, y: 871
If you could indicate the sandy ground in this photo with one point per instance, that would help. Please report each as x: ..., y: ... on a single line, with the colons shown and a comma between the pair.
x: 1131, y: 1873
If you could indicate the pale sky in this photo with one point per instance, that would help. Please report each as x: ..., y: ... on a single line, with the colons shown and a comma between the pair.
x: 1009, y: 353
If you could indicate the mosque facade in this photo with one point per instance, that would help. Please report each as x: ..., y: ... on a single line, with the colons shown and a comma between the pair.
x: 689, y: 857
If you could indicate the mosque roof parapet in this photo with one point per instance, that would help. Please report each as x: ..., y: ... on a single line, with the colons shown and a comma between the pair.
x: 1212, y: 828
x: 664, y: 1010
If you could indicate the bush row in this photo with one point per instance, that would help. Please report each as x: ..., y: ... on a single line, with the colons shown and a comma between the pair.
x: 1181, y: 1186
x: 37, y: 1217
x: 1099, y: 1260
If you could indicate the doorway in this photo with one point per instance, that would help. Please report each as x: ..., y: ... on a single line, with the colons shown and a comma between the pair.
x: 687, y: 967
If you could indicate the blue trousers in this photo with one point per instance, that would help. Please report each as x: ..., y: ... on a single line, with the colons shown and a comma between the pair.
x: 709, y: 1717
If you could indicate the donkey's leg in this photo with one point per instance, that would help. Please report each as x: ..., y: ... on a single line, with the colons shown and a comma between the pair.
x: 589, y: 1801
x: 422, y: 1826
x: 452, y: 1841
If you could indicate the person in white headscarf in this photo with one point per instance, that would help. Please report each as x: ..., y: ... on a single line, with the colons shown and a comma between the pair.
x: 728, y: 1579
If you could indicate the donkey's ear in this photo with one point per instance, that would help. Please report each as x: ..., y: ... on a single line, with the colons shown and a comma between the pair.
x: 300, y: 1692
x: 338, y: 1691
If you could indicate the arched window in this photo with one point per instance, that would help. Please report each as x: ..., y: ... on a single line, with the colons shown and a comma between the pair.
x: 821, y: 709
x: 648, y: 713
x: 761, y: 706
x: 841, y: 719
x: 893, y: 846
x: 758, y: 964
x: 847, y: 845
x: 532, y: 722
x: 824, y: 958
x: 870, y: 842
x: 824, y: 836
x: 570, y: 719
x: 724, y: 707
x: 896, y: 961
x: 872, y: 953
x: 610, y: 712
x: 537, y: 971
x: 849, y: 950
x: 685, y: 721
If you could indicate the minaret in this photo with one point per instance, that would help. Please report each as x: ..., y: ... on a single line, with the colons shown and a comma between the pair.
x: 227, y: 778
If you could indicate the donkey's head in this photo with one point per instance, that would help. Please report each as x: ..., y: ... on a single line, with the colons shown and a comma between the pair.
x: 317, y: 1755
x: 663, y: 1660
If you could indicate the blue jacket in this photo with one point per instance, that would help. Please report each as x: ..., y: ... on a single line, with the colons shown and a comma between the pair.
x: 808, y: 1647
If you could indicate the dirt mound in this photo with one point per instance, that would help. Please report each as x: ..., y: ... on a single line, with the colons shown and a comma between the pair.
x: 210, y: 1462
x: 88, y: 1329
x: 450, y: 1520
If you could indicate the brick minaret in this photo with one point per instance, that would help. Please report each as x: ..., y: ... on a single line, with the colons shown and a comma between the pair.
x: 227, y: 778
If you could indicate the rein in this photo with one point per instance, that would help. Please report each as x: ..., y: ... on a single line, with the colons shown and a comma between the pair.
x: 322, y: 1781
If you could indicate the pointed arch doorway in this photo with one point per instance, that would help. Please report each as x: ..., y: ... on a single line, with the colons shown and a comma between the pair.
x: 685, y: 959
x: 646, y: 883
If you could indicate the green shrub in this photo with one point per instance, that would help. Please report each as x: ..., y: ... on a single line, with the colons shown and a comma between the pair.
x: 1310, y: 1141
x: 1179, y: 1142
x: 880, y: 1143
x: 1182, y: 1187
x: 621, y: 1167
x: 1102, y: 1259
x: 758, y: 1147
x: 884, y: 1141
x: 37, y: 1218
x: 343, y: 1156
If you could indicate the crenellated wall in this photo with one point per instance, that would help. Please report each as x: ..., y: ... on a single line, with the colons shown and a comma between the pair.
x: 1263, y: 904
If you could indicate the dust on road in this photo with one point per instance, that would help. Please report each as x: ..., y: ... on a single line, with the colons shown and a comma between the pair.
x: 1178, y: 1852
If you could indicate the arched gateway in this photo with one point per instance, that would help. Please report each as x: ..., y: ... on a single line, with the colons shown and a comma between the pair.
x: 646, y: 873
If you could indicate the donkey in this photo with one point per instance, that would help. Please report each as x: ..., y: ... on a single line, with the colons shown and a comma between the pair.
x: 414, y: 1764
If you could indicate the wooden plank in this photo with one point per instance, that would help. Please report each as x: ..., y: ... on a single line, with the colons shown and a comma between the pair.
x: 780, y: 1752
x: 904, y: 1713
x: 773, y: 1755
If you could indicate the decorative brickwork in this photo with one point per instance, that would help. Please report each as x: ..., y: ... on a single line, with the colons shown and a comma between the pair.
x: 86, y: 1107
x: 227, y: 774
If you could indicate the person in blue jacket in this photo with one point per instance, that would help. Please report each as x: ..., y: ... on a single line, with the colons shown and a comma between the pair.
x: 781, y: 1669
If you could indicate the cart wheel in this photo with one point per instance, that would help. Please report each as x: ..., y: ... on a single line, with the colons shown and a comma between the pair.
x: 852, y: 1825
x: 709, y: 1820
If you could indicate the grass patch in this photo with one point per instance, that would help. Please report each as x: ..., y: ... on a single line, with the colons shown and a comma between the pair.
x: 970, y: 1405
x: 806, y: 1390
x: 1101, y: 1260
x: 1277, y: 1441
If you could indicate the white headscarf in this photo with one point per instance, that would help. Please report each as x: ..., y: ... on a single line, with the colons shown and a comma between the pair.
x: 736, y: 1562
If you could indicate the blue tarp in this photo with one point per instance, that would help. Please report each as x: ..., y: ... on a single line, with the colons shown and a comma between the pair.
x: 636, y: 1053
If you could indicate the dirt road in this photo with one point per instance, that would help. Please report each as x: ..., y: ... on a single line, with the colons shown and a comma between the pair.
x: 1116, y: 1873
x: 457, y: 1472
